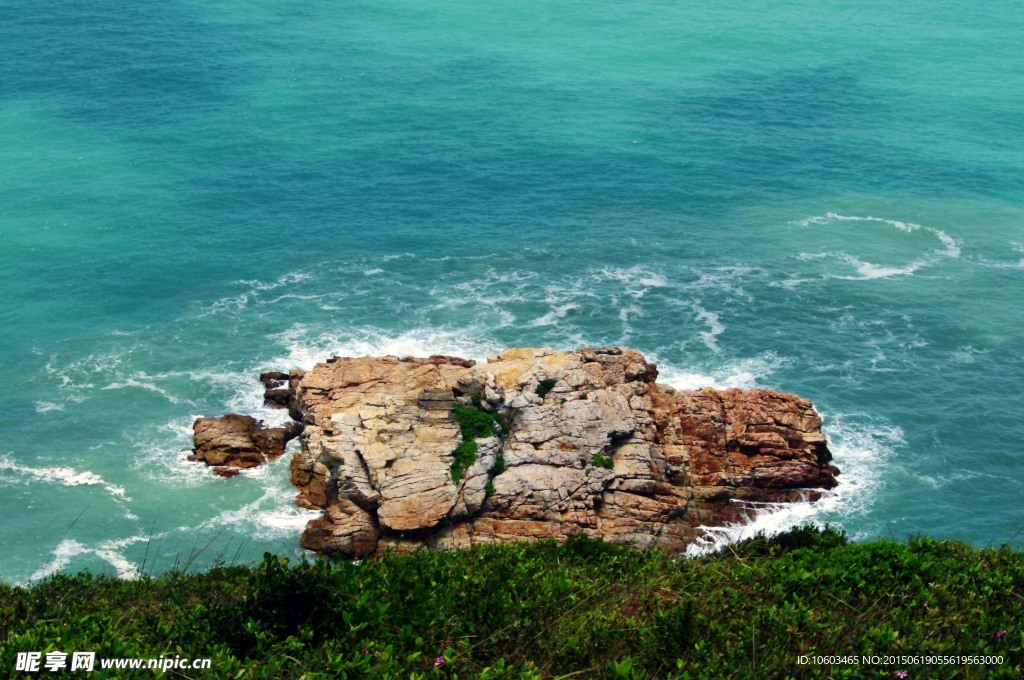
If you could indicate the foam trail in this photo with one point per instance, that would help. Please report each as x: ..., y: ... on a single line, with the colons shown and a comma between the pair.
x: 139, y: 381
x: 715, y: 328
x: 824, y: 219
x: 64, y: 475
x: 868, y: 270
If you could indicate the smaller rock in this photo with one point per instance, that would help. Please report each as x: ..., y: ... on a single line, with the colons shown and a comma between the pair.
x: 280, y: 388
x: 440, y: 360
x: 274, y: 378
x: 238, y: 441
x: 277, y: 398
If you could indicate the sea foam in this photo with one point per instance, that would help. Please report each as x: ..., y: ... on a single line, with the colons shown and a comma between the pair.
x: 951, y: 248
x: 63, y: 475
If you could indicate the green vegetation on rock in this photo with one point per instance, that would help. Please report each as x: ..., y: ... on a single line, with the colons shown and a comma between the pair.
x: 473, y: 424
x: 545, y: 610
x: 545, y: 386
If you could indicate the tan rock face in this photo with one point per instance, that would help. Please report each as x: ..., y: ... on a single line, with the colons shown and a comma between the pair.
x: 591, y: 445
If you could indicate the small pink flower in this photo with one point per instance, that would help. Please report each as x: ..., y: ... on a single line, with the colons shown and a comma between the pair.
x: 366, y: 651
x: 1000, y: 633
x: 439, y: 661
x: 901, y: 674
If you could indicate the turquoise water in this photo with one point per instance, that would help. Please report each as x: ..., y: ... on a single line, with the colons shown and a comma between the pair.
x: 823, y: 198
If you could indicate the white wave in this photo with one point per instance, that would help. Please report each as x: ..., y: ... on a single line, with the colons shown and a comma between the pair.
x: 1019, y: 248
x: 715, y: 328
x: 295, y: 296
x: 373, y: 271
x: 725, y: 279
x: 554, y: 315
x: 272, y: 516
x: 256, y: 285
x: 304, y: 348
x: 63, y: 475
x: 47, y: 406
x: 625, y: 315
x: 60, y: 558
x: 860, y: 450
x: 162, y: 455
x: 108, y: 551
x: 637, y: 279
x: 831, y: 216
x: 78, y: 375
x: 967, y: 354
x: 231, y: 303
x: 869, y: 270
x: 952, y: 245
x: 143, y: 382
x: 742, y: 373
x: 506, y: 318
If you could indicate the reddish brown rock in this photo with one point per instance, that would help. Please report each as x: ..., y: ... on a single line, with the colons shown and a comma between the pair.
x: 237, y: 441
x: 441, y: 359
x: 592, y: 445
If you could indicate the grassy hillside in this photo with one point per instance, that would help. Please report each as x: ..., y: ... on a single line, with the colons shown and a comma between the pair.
x: 584, y: 609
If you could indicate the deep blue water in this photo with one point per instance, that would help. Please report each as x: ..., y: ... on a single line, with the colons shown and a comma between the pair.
x: 824, y: 198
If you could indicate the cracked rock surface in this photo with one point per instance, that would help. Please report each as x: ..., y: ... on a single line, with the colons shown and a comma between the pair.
x: 590, y: 445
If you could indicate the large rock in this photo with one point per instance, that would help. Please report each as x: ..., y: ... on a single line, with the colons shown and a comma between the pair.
x: 590, y: 445
x: 235, y: 442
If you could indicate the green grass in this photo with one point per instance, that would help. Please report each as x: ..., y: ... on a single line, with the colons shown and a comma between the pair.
x: 545, y: 610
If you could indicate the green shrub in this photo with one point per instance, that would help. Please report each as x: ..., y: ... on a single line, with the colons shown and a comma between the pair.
x: 544, y: 610
x: 545, y: 386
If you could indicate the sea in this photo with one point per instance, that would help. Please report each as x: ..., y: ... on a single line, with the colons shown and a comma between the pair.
x: 824, y: 198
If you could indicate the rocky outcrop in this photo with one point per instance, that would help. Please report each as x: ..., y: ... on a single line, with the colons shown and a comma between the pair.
x: 444, y: 453
x: 234, y: 442
x: 280, y: 389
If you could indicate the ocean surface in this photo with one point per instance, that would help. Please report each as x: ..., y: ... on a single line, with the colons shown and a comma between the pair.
x: 825, y: 198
